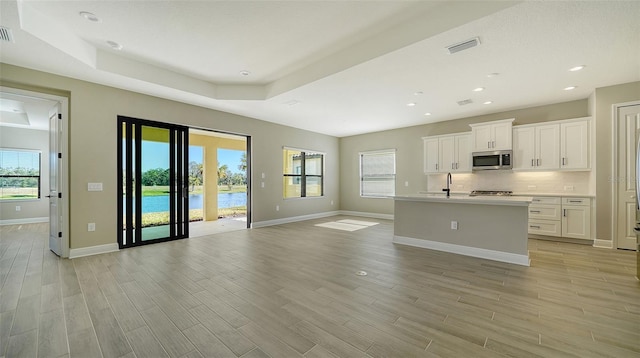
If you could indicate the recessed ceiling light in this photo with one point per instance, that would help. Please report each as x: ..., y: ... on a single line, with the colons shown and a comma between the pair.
x: 411, y: 104
x: 114, y: 45
x: 417, y: 93
x: 569, y: 88
x: 493, y: 74
x: 479, y: 89
x: 245, y: 73
x: 89, y: 16
x: 577, y: 68
x: 427, y: 114
x: 487, y: 102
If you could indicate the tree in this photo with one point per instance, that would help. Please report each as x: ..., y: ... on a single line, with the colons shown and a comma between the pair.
x: 195, y: 174
x: 222, y: 173
x: 155, y: 177
x: 243, y: 163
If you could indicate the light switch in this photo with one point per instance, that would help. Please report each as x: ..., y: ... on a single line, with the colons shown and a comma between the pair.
x: 94, y: 186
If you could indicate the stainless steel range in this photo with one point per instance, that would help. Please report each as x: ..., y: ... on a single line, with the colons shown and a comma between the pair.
x: 491, y: 193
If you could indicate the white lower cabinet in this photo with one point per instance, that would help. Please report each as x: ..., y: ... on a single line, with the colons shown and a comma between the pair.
x: 560, y: 217
x: 576, y: 218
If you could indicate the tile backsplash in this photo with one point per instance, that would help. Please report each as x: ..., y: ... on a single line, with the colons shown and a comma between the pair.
x: 556, y: 182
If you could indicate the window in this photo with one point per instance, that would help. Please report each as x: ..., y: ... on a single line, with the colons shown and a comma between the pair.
x: 19, y: 174
x: 303, y: 173
x: 378, y: 173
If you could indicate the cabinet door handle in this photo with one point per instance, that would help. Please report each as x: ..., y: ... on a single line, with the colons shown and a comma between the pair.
x: 534, y: 211
x: 536, y: 199
x: 575, y: 201
x: 564, y: 212
x: 489, y: 144
x: 537, y: 162
x: 532, y: 163
x: 457, y: 165
x: 493, y: 144
x: 436, y: 166
x: 534, y: 226
x: 562, y: 160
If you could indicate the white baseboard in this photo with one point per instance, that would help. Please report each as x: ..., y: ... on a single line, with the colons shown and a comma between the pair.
x: 464, y: 250
x: 367, y: 215
x: 24, y: 221
x: 603, y: 244
x: 257, y: 224
x: 93, y: 250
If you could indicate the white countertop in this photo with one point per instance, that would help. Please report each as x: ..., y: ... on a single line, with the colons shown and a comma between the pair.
x: 466, y: 199
x: 528, y: 194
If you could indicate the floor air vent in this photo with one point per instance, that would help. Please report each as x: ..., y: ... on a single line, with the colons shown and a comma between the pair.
x: 6, y: 34
x: 463, y: 45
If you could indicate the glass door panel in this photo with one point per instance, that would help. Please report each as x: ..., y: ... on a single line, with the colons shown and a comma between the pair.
x: 156, y: 186
x: 152, y: 175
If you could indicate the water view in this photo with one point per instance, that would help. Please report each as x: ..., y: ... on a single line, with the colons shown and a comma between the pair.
x: 160, y: 203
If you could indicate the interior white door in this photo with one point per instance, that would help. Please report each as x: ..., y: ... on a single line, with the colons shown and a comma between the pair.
x: 55, y: 224
x: 628, y: 125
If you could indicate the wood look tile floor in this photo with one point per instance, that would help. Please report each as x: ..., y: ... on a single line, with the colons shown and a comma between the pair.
x: 291, y: 291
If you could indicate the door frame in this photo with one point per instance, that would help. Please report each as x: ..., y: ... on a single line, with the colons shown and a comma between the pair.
x: 63, y: 149
x: 249, y: 151
x: 614, y: 169
x: 175, y: 142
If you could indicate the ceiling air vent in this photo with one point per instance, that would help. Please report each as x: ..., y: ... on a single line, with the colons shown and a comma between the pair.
x: 463, y: 45
x: 465, y: 102
x: 5, y: 34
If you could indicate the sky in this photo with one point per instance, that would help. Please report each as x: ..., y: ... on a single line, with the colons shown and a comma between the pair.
x: 155, y: 155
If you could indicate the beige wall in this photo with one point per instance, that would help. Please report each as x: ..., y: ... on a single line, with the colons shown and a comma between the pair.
x: 20, y: 138
x: 604, y: 99
x: 93, y: 139
x: 409, y: 157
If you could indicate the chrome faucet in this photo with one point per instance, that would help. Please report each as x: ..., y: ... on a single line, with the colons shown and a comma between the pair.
x: 449, y: 181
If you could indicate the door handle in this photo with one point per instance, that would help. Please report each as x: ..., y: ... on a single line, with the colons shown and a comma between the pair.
x: 636, y: 230
x: 49, y: 196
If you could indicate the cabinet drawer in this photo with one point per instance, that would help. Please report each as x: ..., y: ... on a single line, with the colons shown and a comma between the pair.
x: 545, y: 227
x: 547, y: 200
x: 549, y: 212
x: 576, y: 201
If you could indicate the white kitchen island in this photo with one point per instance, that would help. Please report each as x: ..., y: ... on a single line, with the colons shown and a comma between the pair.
x: 493, y: 228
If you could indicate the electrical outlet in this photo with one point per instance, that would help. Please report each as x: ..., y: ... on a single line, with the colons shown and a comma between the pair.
x: 454, y: 225
x: 406, y: 183
x: 568, y: 187
x: 331, y: 202
x: 18, y: 208
x: 91, y: 227
x: 262, y: 184
x: 277, y: 207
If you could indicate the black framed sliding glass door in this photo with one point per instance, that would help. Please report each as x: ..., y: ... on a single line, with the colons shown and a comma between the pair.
x: 152, y: 182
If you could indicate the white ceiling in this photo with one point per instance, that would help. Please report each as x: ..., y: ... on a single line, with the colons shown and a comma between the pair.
x: 24, y: 111
x: 335, y: 67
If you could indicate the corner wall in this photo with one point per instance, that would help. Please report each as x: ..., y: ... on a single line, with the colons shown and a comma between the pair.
x: 605, y: 98
x: 92, y: 150
x: 409, y: 154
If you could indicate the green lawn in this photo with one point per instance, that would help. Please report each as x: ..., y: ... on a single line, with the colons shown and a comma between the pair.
x: 164, y: 190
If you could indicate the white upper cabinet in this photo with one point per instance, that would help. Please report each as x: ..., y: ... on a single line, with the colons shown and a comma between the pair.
x: 574, y: 145
x: 494, y: 135
x: 558, y: 145
x: 447, y: 153
x: 431, y: 156
x: 463, y: 153
x: 536, y: 147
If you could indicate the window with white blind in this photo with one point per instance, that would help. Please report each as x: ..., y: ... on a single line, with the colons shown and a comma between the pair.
x: 378, y: 173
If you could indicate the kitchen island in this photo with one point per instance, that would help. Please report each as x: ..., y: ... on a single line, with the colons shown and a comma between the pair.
x: 493, y: 228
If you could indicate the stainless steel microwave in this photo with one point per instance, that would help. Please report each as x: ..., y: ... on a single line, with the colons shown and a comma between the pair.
x: 493, y: 160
